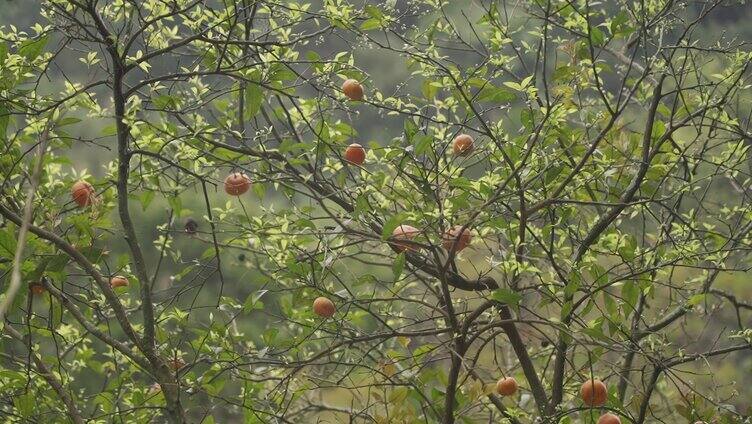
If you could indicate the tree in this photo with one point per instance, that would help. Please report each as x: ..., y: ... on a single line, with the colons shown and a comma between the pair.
x: 581, y: 235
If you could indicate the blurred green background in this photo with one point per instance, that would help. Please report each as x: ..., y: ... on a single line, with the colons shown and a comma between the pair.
x: 386, y: 71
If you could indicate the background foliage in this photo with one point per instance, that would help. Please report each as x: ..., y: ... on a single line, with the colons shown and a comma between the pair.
x: 608, y: 196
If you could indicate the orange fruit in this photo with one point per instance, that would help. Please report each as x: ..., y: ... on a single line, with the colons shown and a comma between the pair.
x: 154, y: 389
x: 352, y: 89
x: 463, y: 145
x: 191, y: 226
x: 237, y: 183
x: 404, y: 233
x: 609, y: 418
x: 507, y: 386
x: 323, y: 307
x: 118, y: 281
x: 355, y: 154
x: 82, y: 193
x: 593, y: 392
x: 457, y: 238
x: 36, y: 288
x: 176, y: 363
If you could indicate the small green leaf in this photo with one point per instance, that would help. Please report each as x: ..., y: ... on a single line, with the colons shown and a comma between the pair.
x: 253, y: 98
x: 410, y: 129
x: 374, y: 12
x: 25, y: 404
x: 8, y: 241
x: 597, y: 37
x: 370, y: 24
x: 696, y: 299
x: 507, y: 296
x: 31, y: 49
x: 145, y: 198
x: 398, y: 266
x: 4, y: 120
x: 630, y: 292
x: 390, y: 225
x: 423, y: 144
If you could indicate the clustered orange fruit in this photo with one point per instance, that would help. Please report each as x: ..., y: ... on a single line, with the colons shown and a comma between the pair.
x: 323, y: 307
x: 82, y: 193
x: 355, y: 154
x: 456, y: 238
x: 506, y: 386
x: 352, y: 89
x: 462, y: 145
x: 118, y: 281
x: 237, y: 183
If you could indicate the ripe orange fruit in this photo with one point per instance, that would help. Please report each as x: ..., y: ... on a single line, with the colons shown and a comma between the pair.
x: 609, y: 418
x: 406, y: 233
x: 463, y: 145
x: 355, y: 154
x: 593, y: 392
x: 323, y: 307
x: 457, y: 238
x: 82, y: 193
x: 507, y: 386
x: 352, y: 89
x: 36, y: 288
x: 118, y: 281
x: 237, y: 183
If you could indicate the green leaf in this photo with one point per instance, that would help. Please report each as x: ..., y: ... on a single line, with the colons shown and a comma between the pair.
x: 566, y: 308
x: 507, y: 296
x: 527, y: 117
x: 259, y: 190
x: 4, y: 120
x: 696, y: 299
x: 461, y: 182
x: 611, y: 305
x: 165, y: 102
x: 67, y: 121
x: 145, y: 198
x: 398, y: 266
x: 31, y: 49
x: 374, y: 12
x: 630, y: 292
x: 25, y: 404
x: 253, y: 301
x: 597, y: 37
x: 430, y: 88
x: 410, y: 129
x: 493, y: 94
x: 254, y: 96
x: 370, y: 24
x: 571, y: 287
x: 390, y: 225
x: 423, y: 144
x: 8, y: 241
